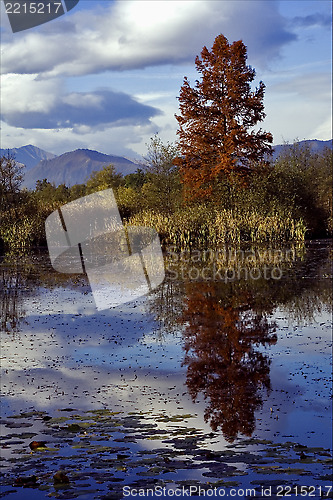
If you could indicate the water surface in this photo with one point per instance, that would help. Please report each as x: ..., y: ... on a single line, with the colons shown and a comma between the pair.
x: 221, y: 376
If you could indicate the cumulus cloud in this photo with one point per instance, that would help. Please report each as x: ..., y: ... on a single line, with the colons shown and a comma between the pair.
x: 26, y: 93
x: 32, y: 103
x: 145, y: 48
x: 131, y: 34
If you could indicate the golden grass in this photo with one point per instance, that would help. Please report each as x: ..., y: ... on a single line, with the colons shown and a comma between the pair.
x: 201, y: 226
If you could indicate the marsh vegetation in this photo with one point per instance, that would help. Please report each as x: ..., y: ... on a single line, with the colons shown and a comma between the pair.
x: 290, y: 200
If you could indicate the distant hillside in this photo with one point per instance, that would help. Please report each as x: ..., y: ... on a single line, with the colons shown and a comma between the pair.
x: 28, y: 155
x: 75, y: 167
x: 315, y: 145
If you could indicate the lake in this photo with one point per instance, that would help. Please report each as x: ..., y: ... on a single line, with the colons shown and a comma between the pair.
x: 218, y: 382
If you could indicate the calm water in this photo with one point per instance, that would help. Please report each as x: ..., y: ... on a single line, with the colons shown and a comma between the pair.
x: 232, y: 351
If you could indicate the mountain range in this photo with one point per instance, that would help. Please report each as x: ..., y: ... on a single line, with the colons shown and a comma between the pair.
x: 28, y: 155
x: 315, y: 145
x: 75, y: 167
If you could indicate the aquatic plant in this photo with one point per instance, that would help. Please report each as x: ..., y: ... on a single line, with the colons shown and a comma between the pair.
x: 204, y: 225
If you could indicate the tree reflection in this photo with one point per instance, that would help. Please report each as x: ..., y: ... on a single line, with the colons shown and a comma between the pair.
x: 11, y: 308
x: 22, y: 277
x: 220, y: 335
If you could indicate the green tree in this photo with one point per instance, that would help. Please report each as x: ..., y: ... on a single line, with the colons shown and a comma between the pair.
x: 77, y: 191
x: 103, y: 179
x: 44, y: 190
x: 11, y: 178
x: 47, y: 192
x: 162, y: 189
x: 217, y: 118
x: 18, y: 211
x: 62, y: 193
x: 135, y: 180
x: 324, y: 195
x: 129, y: 200
x: 302, y: 179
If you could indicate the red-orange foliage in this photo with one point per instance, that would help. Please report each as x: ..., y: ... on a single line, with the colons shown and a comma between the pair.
x: 217, y: 116
x: 221, y: 359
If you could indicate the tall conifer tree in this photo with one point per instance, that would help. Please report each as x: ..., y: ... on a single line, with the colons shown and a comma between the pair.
x: 217, y: 117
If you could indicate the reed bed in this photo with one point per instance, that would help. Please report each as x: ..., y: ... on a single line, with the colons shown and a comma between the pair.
x: 17, y: 235
x: 21, y: 230
x: 202, y: 226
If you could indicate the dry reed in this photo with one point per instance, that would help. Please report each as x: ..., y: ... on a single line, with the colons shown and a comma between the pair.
x: 201, y: 226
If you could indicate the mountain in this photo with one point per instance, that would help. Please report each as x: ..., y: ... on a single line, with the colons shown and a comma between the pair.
x: 28, y: 155
x: 315, y: 145
x: 75, y: 167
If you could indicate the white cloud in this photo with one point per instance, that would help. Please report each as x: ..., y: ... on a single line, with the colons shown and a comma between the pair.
x: 26, y: 93
x: 143, y: 49
x: 134, y: 34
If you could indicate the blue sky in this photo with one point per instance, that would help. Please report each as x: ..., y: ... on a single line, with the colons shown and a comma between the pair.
x: 106, y: 76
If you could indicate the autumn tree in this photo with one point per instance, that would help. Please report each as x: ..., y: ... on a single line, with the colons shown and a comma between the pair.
x: 217, y: 117
x: 222, y: 361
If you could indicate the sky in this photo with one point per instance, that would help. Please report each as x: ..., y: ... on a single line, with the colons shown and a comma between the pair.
x: 106, y: 75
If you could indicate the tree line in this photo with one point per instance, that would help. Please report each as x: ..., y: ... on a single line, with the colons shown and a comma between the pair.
x: 296, y: 187
x: 217, y: 184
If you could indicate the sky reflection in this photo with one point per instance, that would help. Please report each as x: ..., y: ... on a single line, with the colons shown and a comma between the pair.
x: 239, y: 355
